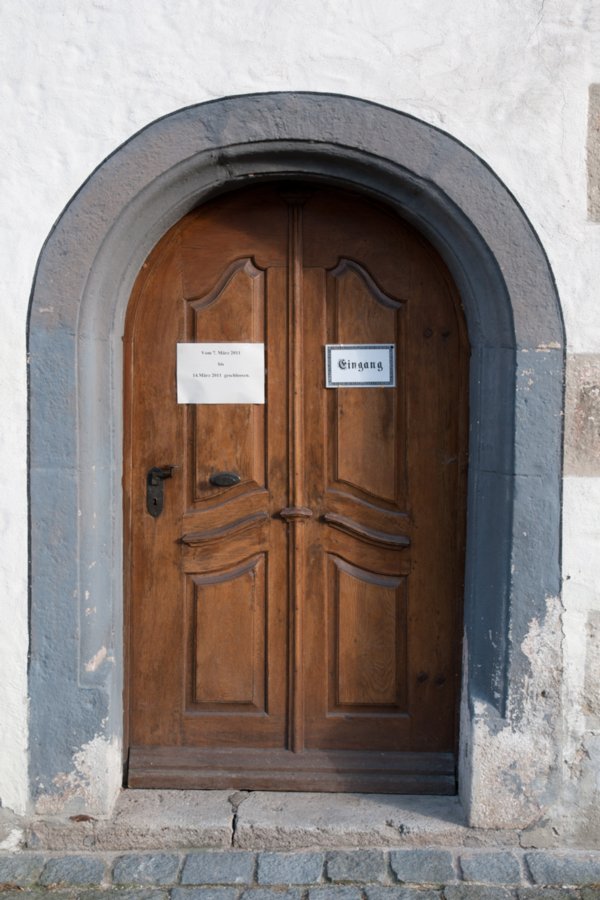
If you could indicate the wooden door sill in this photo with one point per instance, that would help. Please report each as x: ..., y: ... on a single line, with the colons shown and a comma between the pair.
x: 281, y: 770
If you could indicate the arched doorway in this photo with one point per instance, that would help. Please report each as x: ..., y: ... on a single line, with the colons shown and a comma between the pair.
x: 84, y: 279
x: 295, y: 605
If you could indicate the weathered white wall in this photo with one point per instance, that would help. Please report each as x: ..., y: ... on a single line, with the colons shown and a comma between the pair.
x: 509, y: 78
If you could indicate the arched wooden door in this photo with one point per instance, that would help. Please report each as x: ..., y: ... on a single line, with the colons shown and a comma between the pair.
x: 299, y: 629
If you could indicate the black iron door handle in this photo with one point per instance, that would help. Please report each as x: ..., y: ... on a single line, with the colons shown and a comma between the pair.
x: 224, y: 479
x: 154, y: 488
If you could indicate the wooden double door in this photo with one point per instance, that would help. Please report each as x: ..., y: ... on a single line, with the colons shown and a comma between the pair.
x: 299, y: 629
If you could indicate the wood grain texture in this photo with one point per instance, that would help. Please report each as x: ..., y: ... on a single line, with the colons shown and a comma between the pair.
x: 231, y: 529
x: 369, y: 628
x: 299, y: 629
x: 228, y: 636
x: 362, y: 314
x: 229, y: 437
x: 250, y: 769
x: 369, y: 535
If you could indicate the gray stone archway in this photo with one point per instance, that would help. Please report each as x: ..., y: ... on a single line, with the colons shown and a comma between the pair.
x: 82, y: 286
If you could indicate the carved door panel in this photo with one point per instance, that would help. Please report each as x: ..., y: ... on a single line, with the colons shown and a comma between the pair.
x: 299, y: 629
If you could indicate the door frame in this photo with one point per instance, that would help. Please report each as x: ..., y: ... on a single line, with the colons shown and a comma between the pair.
x: 82, y: 285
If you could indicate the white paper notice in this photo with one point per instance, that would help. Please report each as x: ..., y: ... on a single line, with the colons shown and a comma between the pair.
x: 221, y: 373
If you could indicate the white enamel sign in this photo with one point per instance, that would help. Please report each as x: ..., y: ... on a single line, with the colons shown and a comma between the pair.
x: 221, y: 373
x: 360, y: 365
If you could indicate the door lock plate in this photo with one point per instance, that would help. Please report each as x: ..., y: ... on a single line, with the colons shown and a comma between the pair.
x: 154, y: 488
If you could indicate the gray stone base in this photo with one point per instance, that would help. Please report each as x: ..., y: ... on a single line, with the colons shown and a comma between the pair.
x: 151, y: 820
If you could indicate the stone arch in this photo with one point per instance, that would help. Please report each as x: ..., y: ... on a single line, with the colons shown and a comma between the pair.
x: 81, y: 289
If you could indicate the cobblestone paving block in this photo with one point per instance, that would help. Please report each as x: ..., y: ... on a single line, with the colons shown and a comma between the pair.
x: 290, y: 868
x: 357, y: 865
x: 334, y: 892
x: 219, y: 867
x: 20, y: 870
x: 205, y: 893
x: 268, y: 894
x: 73, y: 870
x: 497, y: 867
x: 548, y: 893
x: 73, y: 892
x: 399, y: 892
x: 142, y: 894
x: 146, y: 868
x: 38, y: 893
x: 477, y: 892
x: 564, y: 869
x: 17, y: 895
x: 423, y: 866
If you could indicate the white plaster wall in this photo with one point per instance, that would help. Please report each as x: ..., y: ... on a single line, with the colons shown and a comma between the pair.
x: 509, y: 78
x: 581, y: 629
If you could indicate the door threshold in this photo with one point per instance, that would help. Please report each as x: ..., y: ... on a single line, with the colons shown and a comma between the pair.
x: 265, y: 820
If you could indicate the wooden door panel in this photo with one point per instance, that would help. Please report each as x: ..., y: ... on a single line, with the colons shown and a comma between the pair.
x: 230, y: 229
x: 149, y: 403
x: 436, y: 348
x: 367, y: 625
x: 358, y: 312
x: 237, y: 682
x: 357, y: 689
x: 231, y: 437
x: 228, y: 638
x: 343, y: 226
x: 376, y: 492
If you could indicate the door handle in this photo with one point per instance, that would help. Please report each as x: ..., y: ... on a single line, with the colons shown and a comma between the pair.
x: 224, y: 479
x: 154, y: 488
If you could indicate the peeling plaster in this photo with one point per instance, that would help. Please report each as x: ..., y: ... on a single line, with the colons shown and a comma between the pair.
x: 97, y: 659
x: 580, y: 821
x: 14, y: 840
x: 591, y: 685
x: 95, y: 776
x: 521, y: 752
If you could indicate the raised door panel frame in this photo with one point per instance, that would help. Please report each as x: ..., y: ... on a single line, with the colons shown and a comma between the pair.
x: 82, y: 286
x: 227, y: 664
x: 367, y: 628
x: 241, y: 278
x: 350, y: 277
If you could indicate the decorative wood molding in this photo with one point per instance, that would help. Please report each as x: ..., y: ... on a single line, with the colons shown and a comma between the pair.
x: 296, y: 513
x: 348, y: 265
x: 291, y: 513
x: 197, y: 538
x: 245, y: 264
x: 368, y: 535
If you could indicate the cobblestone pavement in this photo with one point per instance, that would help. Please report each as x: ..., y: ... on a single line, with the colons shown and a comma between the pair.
x: 406, y: 874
